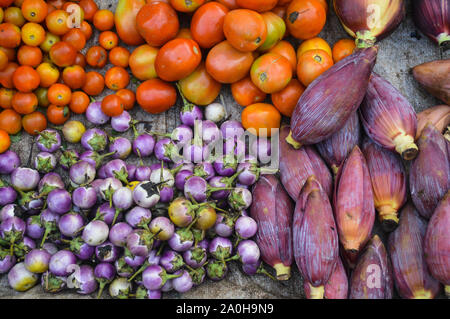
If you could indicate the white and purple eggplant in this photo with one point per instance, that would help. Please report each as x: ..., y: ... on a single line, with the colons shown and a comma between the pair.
x: 48, y: 140
x: 94, y: 139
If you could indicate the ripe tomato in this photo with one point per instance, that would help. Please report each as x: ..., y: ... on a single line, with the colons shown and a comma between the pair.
x: 26, y: 79
x: 207, y: 24
x: 49, y: 41
x: 59, y: 94
x: 230, y: 4
x: 199, y: 87
x: 186, y: 6
x: 260, y: 119
x: 257, y: 5
x: 14, y: 15
x: 286, y: 100
x: 86, y: 29
x: 24, y: 103
x: 342, y: 49
x: 245, y: 92
x: 2, y: 15
x: 128, y: 98
x: 10, y: 121
x: 245, y: 29
x: 271, y: 72
x: 33, y: 34
x: 5, y: 3
x: 11, y: 35
x: 74, y: 76
x: 312, y: 64
x: 96, y: 57
x: 80, y: 60
x: 103, y: 20
x: 63, y: 54
x: 305, y: 18
x: 112, y: 105
x: 56, y: 22
x: 226, y: 64
x: 142, y: 62
x: 276, y: 28
x: 34, y: 122
x: 48, y: 74
x: 157, y: 23
x: 119, y: 56
x: 6, y: 75
x: 27, y: 55
x: 34, y: 10
x: 117, y: 78
x: 5, y: 141
x: 41, y: 94
x: 10, y: 53
x: 108, y: 40
x: 57, y: 114
x: 3, y: 60
x: 177, y: 59
x: 89, y: 8
x: 6, y: 96
x: 95, y: 83
x: 324, y: 3
x: 79, y: 102
x: 313, y: 44
x: 125, y: 21
x: 76, y: 38
x: 286, y: 49
x: 184, y: 33
x: 156, y: 96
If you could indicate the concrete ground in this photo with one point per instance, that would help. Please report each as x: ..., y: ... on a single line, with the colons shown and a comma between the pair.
x: 398, y: 53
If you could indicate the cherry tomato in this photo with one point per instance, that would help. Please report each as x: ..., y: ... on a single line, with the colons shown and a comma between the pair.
x: 11, y: 35
x: 207, y: 24
x: 74, y: 10
x: 89, y: 8
x: 245, y: 92
x: 79, y: 102
x: 80, y: 60
x: 112, y: 105
x: 74, y: 77
x: 96, y: 57
x: 117, y: 78
x: 286, y: 100
x: 186, y: 6
x: 128, y: 98
x: 342, y: 49
x: 48, y: 74
x: 24, y: 103
x: 313, y: 44
x: 26, y: 79
x: 177, y: 59
x: 86, y: 28
x: 157, y: 23
x: 15, y: 16
x: 184, y: 33
x: 10, y: 121
x: 34, y: 10
x: 59, y: 94
x: 34, y: 122
x: 276, y: 28
x: 95, y: 83
x: 42, y: 96
x: 230, y: 4
x: 33, y: 34
x: 63, y: 54
x: 27, y: 55
x: 5, y: 141
x: 6, y: 96
x: 142, y: 62
x: 305, y: 18
x: 156, y: 96
x: 286, y: 49
x: 3, y: 60
x: 58, y: 4
x: 312, y: 64
x: 199, y: 87
x: 5, y: 3
x: 2, y: 15
x: 57, y: 114
x: 10, y: 53
x: 260, y: 119
x: 76, y: 38
x: 49, y: 41
x: 56, y: 22
x: 6, y: 75
x: 103, y: 20
x: 271, y: 72
x: 108, y: 40
x: 226, y: 64
x: 119, y: 56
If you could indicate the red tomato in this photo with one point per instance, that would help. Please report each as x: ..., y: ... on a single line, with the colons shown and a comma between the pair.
x: 286, y: 100
x: 271, y: 72
x: 260, y: 119
x: 257, y: 5
x: 156, y: 96
x: 207, y: 24
x: 112, y: 105
x: 246, y: 93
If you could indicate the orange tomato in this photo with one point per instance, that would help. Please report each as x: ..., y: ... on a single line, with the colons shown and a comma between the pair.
x: 31, y: 56
x: 76, y: 38
x: 286, y: 49
x: 257, y: 5
x: 305, y: 18
x: 49, y: 41
x: 96, y: 57
x: 6, y: 75
x: 286, y: 100
x: 119, y: 56
x: 6, y: 96
x: 57, y: 114
x: 313, y: 44
x: 79, y: 102
x: 271, y: 72
x: 34, y: 122
x: 74, y: 76
x: 24, y: 103
x: 10, y: 53
x: 5, y: 141
x: 86, y: 29
x: 260, y: 119
x: 10, y: 121
x: 59, y: 94
x: 56, y: 22
x: 3, y: 60
x: 34, y: 10
x: 112, y: 105
x: 103, y: 20
x: 80, y: 60
x: 156, y: 96
x: 89, y: 8
x: 312, y: 64
x: 108, y: 40
x: 245, y: 92
x: 186, y: 6
x: 33, y: 34
x: 276, y: 28
x: 15, y: 16
x: 26, y: 79
x: 117, y: 78
x: 63, y: 54
x: 95, y: 83
x: 48, y: 74
x: 128, y: 98
x: 207, y: 24
x: 11, y: 35
x: 142, y: 62
x: 342, y: 49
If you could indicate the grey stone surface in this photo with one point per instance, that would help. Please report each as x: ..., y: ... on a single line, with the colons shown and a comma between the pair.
x: 397, y: 55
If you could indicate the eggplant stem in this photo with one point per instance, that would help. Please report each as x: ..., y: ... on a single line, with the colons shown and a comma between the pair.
x: 145, y: 265
x: 46, y: 233
x: 100, y: 290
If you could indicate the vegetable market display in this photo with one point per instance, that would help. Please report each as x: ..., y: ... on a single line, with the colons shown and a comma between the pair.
x: 80, y: 215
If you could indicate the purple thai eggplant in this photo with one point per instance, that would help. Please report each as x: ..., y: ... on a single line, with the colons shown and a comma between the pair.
x: 143, y: 144
x: 48, y: 140
x: 82, y: 173
x: 49, y: 182
x: 122, y: 122
x: 84, y: 197
x: 9, y: 161
x: 44, y: 162
x: 120, y: 146
x: 94, y: 158
x: 68, y: 158
x: 95, y: 115
x: 94, y: 139
x: 24, y: 179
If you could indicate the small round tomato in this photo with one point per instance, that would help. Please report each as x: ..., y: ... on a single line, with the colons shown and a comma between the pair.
x: 156, y: 96
x: 271, y: 72
x: 6, y: 96
x: 80, y: 60
x: 305, y: 18
x: 59, y: 94
x: 5, y: 141
x: 230, y: 4
x: 6, y: 75
x: 79, y: 102
x: 103, y: 20
x: 74, y: 76
x: 186, y: 6
x: 112, y: 105
x: 257, y: 5
x: 157, y: 23
x: 142, y: 62
x: 199, y: 87
x: 10, y: 53
x: 74, y: 10
x: 95, y: 83
x: 34, y: 10
x: 276, y: 28
x: 3, y: 60
x: 108, y: 40
x: 15, y: 16
x: 34, y: 122
x: 89, y: 8
x: 26, y: 79
x: 260, y: 119
x: 42, y: 96
x: 10, y: 121
x: 313, y: 44
x: 86, y: 28
x: 177, y: 59
x: 57, y: 114
x: 96, y: 57
x: 31, y: 56
x: 119, y: 56
x: 226, y: 64
x: 48, y: 74
x: 49, y: 41
x: 245, y: 29
x: 56, y: 22
x: 128, y: 98
x: 24, y: 103
x: 76, y: 38
x: 63, y: 54
x: 58, y: 4
x: 11, y: 35
x: 184, y: 33
x: 33, y: 34
x: 286, y: 49
x: 312, y: 64
x: 207, y: 24
x: 286, y: 100
x: 117, y: 78
x: 342, y: 49
x: 245, y: 92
